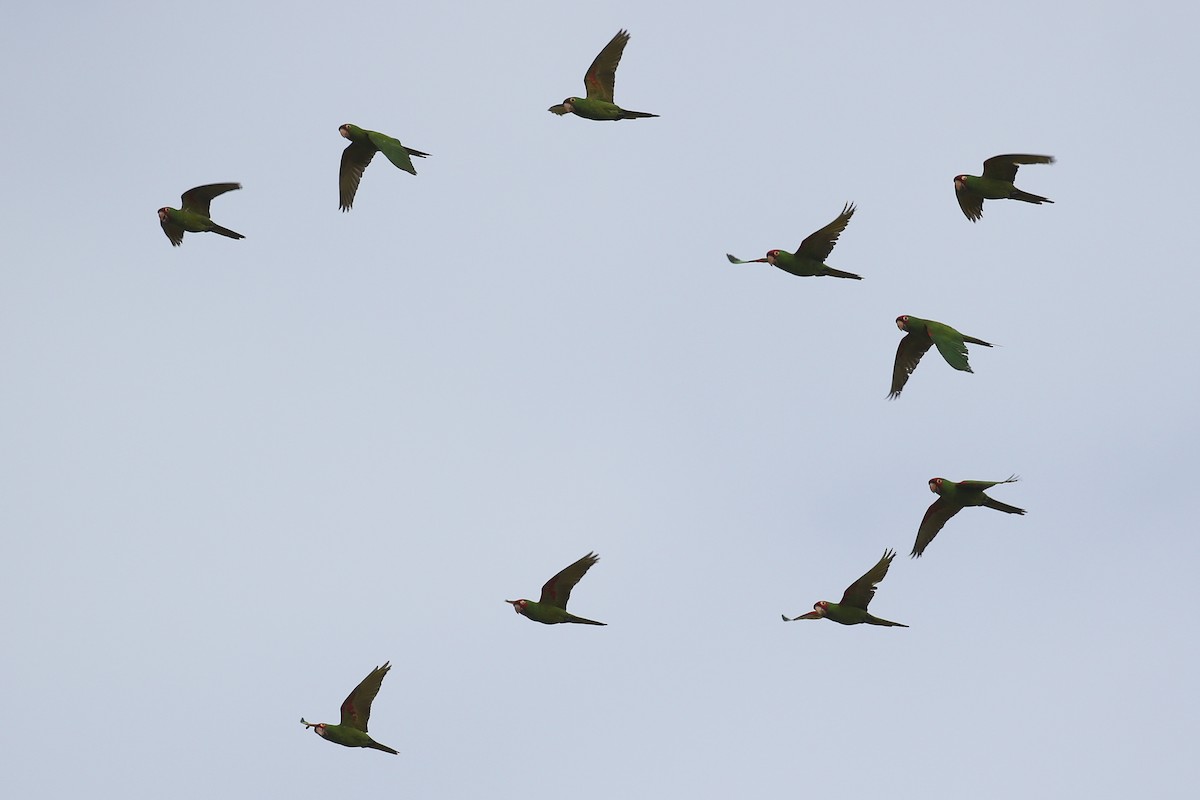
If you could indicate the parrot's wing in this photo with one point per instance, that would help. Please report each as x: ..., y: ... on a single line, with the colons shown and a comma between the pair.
x: 938, y: 513
x: 196, y: 200
x: 557, y: 590
x: 908, y: 355
x: 356, y: 709
x: 601, y: 76
x: 859, y: 593
x: 355, y: 159
x: 1004, y: 168
x: 952, y: 347
x: 395, y: 152
x: 819, y: 245
x: 970, y: 201
x: 173, y: 230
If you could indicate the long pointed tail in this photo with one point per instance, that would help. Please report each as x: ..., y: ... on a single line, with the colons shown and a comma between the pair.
x: 973, y: 340
x: 1029, y: 198
x: 1005, y: 507
x: 635, y: 114
x: 837, y: 273
x: 384, y: 748
x: 226, y: 232
x: 412, y: 152
x: 872, y: 620
x: 582, y: 621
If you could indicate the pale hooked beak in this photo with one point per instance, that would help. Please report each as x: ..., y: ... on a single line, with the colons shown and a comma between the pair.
x: 516, y: 604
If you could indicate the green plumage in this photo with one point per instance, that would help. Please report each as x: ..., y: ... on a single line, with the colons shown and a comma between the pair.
x: 952, y: 498
x: 809, y: 258
x: 599, y: 81
x: 356, y: 712
x: 364, y: 144
x: 551, y: 608
x: 996, y: 183
x: 853, y: 608
x: 920, y: 335
x: 193, y: 216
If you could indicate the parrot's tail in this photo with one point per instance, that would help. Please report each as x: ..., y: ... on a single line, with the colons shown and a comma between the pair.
x: 837, y: 273
x: 1029, y: 198
x: 583, y: 621
x: 226, y: 232
x: 872, y: 620
x: 635, y: 114
x: 412, y: 152
x: 973, y: 340
x: 1005, y: 507
x: 384, y: 748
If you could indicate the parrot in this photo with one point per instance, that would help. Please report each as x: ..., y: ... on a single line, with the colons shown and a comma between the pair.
x: 358, y: 154
x: 356, y: 710
x: 952, y: 498
x: 193, y: 216
x: 599, y: 81
x: 996, y: 183
x: 853, y: 608
x: 921, y: 333
x: 552, y: 607
x: 809, y: 258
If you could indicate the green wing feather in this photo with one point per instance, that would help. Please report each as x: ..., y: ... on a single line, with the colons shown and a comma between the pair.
x: 936, y: 516
x: 859, y: 593
x: 355, y: 159
x: 819, y: 245
x: 1004, y: 168
x: 173, y: 230
x: 557, y: 590
x: 951, y: 345
x: 356, y: 709
x: 397, y: 153
x: 970, y: 201
x: 912, y: 346
x: 196, y: 200
x: 601, y: 76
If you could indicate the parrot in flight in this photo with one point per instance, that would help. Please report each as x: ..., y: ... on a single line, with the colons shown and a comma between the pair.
x: 552, y: 607
x: 356, y: 710
x: 364, y: 144
x: 599, y: 80
x: 953, y: 498
x: 853, y: 608
x: 809, y: 258
x: 193, y: 215
x: 996, y: 183
x: 921, y: 334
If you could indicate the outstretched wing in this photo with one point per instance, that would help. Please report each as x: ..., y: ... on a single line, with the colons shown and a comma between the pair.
x: 970, y: 201
x: 936, y: 516
x: 355, y: 159
x: 173, y: 230
x: 557, y: 590
x: 197, y: 200
x: 819, y: 245
x: 397, y: 153
x: 1004, y: 168
x: 859, y: 593
x: 951, y: 345
x: 356, y: 710
x: 908, y: 355
x: 601, y: 76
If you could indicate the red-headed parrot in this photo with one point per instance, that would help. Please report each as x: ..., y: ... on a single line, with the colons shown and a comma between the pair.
x: 599, y: 81
x: 809, y: 258
x: 953, y: 498
x: 552, y: 607
x: 853, y: 608
x: 193, y: 216
x: 356, y: 710
x: 920, y: 335
x: 364, y: 144
x: 996, y: 183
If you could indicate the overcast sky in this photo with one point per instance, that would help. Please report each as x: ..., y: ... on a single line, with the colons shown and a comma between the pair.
x: 237, y: 475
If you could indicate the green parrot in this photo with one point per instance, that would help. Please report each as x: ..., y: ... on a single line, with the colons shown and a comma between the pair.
x: 853, y: 608
x: 552, y: 607
x: 996, y: 183
x: 952, y: 498
x: 599, y: 81
x: 364, y: 144
x: 193, y: 216
x: 809, y: 258
x: 356, y: 710
x: 921, y: 334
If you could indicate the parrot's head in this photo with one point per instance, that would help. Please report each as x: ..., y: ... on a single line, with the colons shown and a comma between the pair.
x: 902, y: 322
x: 518, y: 605
x: 935, y: 485
x: 569, y: 103
x: 163, y: 214
x: 771, y: 256
x: 344, y: 130
x: 821, y: 607
x: 960, y: 182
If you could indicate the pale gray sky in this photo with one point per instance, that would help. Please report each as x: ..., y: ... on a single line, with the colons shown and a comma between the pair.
x: 240, y: 474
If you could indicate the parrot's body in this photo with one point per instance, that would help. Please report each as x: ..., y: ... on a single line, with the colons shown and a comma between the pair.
x: 364, y: 144
x: 193, y: 216
x: 551, y: 608
x: 853, y: 608
x: 356, y: 711
x: 809, y: 258
x: 599, y: 81
x: 920, y: 335
x: 952, y: 498
x: 996, y: 183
